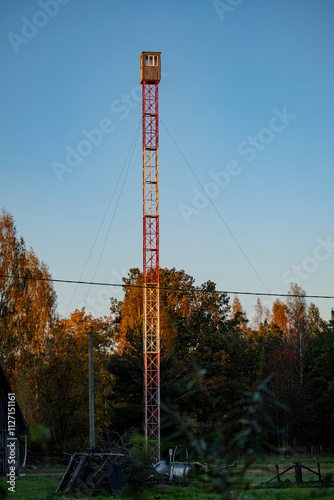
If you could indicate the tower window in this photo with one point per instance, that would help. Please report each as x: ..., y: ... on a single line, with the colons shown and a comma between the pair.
x: 151, y: 60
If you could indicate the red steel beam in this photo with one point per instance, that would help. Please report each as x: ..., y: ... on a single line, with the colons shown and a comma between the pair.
x: 151, y: 327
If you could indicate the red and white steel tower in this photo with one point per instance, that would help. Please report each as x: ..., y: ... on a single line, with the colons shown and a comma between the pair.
x: 150, y: 74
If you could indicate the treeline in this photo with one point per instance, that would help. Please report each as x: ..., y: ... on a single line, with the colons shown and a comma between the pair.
x: 210, y: 356
x: 45, y: 357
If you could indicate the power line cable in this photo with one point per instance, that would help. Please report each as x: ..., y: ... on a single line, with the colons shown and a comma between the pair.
x: 198, y: 289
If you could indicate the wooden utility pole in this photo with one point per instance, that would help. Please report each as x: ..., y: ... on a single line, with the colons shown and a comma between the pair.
x: 91, y: 391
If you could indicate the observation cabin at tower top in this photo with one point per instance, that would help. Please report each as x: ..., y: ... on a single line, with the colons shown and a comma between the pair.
x: 150, y: 68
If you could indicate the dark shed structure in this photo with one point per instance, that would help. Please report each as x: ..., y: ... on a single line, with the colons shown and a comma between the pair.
x: 12, y: 425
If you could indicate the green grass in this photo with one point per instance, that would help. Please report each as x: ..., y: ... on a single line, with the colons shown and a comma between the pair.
x: 45, y: 469
x: 44, y: 487
x: 288, y: 494
x: 32, y: 488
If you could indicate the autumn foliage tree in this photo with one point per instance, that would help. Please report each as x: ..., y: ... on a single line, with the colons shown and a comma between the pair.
x: 27, y: 314
x: 204, y: 364
x: 296, y: 323
x: 280, y: 315
x: 27, y: 298
x: 64, y: 374
x: 209, y: 355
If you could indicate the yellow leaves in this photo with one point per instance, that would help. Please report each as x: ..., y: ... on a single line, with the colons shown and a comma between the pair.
x: 280, y: 315
x: 27, y: 304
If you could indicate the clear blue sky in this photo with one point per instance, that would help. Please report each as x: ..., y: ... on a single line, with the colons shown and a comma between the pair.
x: 246, y: 103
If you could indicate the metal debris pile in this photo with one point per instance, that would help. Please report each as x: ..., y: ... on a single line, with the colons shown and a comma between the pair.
x: 178, y: 466
x: 104, y: 467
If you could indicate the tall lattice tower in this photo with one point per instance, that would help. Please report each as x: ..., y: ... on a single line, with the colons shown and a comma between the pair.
x: 150, y: 74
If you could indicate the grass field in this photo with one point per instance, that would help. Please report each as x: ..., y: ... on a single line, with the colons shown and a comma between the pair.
x: 43, y: 487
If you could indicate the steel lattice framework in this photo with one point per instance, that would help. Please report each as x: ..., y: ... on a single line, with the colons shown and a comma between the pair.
x: 151, y: 328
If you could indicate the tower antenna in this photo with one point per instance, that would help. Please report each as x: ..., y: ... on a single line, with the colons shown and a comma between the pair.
x: 150, y: 75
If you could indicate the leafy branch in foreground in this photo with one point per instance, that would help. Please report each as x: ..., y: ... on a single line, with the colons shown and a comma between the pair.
x: 217, y: 452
